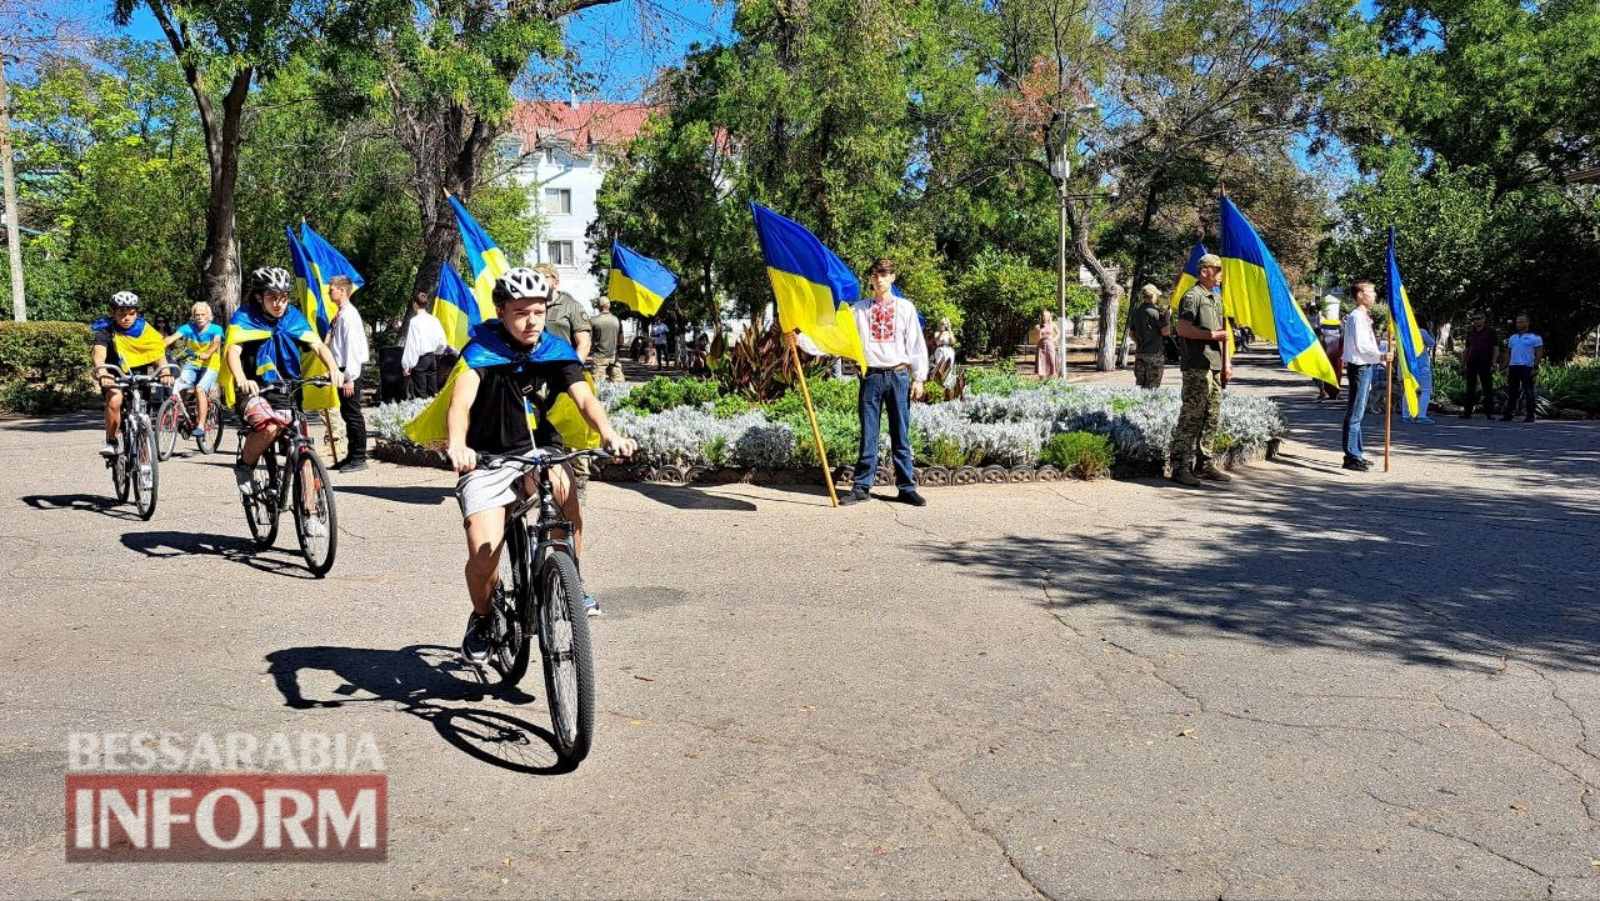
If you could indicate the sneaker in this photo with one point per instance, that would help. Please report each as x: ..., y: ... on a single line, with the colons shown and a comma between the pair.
x: 316, y: 528
x: 109, y: 450
x: 350, y: 464
x: 591, y: 606
x: 242, y: 476
x: 475, y: 644
x: 911, y: 497
x: 198, y: 433
x: 856, y: 496
x: 1354, y: 466
x: 1364, y: 463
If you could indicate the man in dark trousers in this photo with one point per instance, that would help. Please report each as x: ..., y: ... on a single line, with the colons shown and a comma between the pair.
x: 1480, y: 355
x: 1148, y: 322
x: 347, y: 341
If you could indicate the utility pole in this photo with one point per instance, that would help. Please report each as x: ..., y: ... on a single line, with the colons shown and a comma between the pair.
x: 1057, y: 145
x: 19, y: 301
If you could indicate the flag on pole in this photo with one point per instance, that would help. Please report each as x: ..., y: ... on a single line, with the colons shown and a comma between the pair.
x: 484, y: 258
x: 1407, y: 334
x: 813, y: 287
x: 455, y: 307
x: 1256, y: 294
x: 1189, y: 275
x: 309, y: 296
x: 638, y: 281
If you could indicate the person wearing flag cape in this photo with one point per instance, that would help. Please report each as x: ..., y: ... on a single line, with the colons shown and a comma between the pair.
x: 124, y: 340
x: 510, y: 364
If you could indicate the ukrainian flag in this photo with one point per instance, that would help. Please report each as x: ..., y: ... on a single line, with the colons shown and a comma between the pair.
x: 1256, y: 295
x: 814, y: 288
x: 638, y: 281
x: 1189, y: 275
x: 281, y: 340
x: 140, y: 345
x: 484, y: 258
x: 455, y: 307
x: 327, y: 262
x: 1407, y: 334
x: 313, y: 302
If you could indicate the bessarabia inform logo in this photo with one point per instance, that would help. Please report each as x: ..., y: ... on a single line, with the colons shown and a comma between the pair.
x: 174, y: 797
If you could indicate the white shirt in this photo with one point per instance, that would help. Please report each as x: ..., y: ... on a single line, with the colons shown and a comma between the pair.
x: 1360, y: 344
x: 894, y: 339
x: 1522, y: 348
x: 424, y: 336
x: 347, y: 341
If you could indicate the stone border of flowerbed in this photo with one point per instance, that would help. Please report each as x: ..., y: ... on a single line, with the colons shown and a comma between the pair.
x: 928, y: 477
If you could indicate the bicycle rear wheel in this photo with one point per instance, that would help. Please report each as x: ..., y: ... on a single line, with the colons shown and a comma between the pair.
x: 169, y: 421
x: 568, y: 658
x: 146, y: 471
x: 261, y: 504
x: 316, y: 523
x: 513, y: 626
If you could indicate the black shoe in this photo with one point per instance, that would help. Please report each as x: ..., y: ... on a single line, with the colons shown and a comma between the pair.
x: 1354, y: 466
x: 475, y: 644
x: 856, y: 496
x: 911, y: 497
x: 352, y: 464
x: 1365, y: 463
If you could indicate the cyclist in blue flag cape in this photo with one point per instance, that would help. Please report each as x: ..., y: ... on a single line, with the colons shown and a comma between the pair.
x: 505, y: 397
x: 262, y: 349
x: 124, y: 340
x: 202, y: 362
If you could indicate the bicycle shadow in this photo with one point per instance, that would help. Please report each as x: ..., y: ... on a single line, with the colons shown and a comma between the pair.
x: 420, y: 680
x: 92, y: 503
x: 233, y: 548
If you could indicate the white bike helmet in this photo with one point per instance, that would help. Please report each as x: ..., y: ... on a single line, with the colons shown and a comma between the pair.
x: 521, y: 282
x: 269, y: 278
x: 123, y: 300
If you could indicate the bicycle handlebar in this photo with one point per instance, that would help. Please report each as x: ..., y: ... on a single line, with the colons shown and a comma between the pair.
x: 492, y: 461
x: 133, y: 378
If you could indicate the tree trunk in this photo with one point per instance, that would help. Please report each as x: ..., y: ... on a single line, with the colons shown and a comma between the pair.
x: 447, y: 148
x: 1110, y: 294
x: 19, y: 302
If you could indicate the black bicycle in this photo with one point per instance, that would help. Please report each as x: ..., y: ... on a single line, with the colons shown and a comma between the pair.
x: 290, y: 464
x: 134, y: 468
x: 180, y: 415
x: 539, y: 594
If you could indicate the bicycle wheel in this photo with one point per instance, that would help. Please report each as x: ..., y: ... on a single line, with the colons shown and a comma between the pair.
x: 146, y: 471
x: 316, y: 523
x: 261, y: 504
x: 119, y: 472
x: 568, y: 659
x: 169, y: 421
x: 513, y: 627
x: 213, y: 426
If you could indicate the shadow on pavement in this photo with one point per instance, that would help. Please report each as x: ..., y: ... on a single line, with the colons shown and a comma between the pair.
x: 229, y: 547
x: 1431, y: 577
x: 65, y: 422
x: 419, y: 680
x: 426, y: 495
x: 686, y: 497
x: 92, y: 503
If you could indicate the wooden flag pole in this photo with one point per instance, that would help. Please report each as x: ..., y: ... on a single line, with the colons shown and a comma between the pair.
x: 811, y: 413
x: 1388, y: 385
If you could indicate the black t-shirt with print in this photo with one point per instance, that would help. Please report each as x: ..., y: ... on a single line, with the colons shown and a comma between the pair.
x: 497, y: 422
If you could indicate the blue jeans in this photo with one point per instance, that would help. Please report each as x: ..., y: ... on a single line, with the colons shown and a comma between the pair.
x: 1359, y: 379
x: 877, y: 389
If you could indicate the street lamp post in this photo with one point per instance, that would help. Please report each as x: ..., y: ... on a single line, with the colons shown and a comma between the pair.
x: 1057, y: 143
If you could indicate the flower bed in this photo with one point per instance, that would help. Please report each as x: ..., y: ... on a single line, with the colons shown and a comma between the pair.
x: 981, y: 438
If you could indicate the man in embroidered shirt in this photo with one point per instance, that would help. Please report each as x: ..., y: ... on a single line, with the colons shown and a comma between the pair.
x: 897, y: 365
x: 1361, y: 354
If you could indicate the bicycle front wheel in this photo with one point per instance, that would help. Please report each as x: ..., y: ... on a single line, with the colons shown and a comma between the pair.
x: 568, y: 658
x: 316, y: 524
x: 168, y: 423
x: 146, y: 473
x: 213, y: 426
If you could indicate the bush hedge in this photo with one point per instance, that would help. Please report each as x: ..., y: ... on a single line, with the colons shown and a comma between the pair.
x: 44, y: 367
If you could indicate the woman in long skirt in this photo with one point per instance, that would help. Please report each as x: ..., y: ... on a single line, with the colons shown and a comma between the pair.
x: 1046, y: 362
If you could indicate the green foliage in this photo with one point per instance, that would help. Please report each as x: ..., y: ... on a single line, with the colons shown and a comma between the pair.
x: 1000, y: 379
x: 664, y: 393
x: 841, y: 436
x: 1084, y: 455
x: 1004, y: 294
x: 44, y: 367
x: 730, y: 406
x: 833, y: 395
x: 715, y: 451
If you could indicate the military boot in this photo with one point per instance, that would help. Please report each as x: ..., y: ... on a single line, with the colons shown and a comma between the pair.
x: 1184, y: 475
x: 1211, y: 473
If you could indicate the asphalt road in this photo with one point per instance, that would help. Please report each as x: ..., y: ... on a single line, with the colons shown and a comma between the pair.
x: 1310, y: 684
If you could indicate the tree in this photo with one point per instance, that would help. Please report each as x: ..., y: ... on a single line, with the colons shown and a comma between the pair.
x: 222, y: 46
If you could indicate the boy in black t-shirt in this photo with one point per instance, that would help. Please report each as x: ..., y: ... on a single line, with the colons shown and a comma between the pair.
x: 509, y: 361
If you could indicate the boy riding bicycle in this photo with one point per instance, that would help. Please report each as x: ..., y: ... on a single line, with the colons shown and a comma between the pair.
x: 509, y: 362
x: 264, y: 341
x: 202, y: 339
x: 124, y: 340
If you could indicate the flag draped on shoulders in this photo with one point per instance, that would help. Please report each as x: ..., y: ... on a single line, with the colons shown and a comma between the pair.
x: 281, y: 342
x: 311, y: 295
x: 484, y: 258
x: 638, y: 281
x: 487, y: 347
x: 813, y: 287
x: 1256, y: 295
x: 137, y: 345
x: 455, y: 307
x: 1407, y: 335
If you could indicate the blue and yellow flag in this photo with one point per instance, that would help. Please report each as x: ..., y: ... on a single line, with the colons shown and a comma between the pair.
x: 484, y: 258
x: 489, y: 346
x: 327, y: 262
x: 138, y: 345
x: 311, y: 297
x: 813, y: 287
x: 278, y: 358
x: 1407, y: 335
x: 1189, y: 275
x: 455, y: 307
x: 638, y: 281
x: 1256, y: 295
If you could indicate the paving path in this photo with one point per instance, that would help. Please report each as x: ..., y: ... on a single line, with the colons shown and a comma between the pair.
x: 1313, y: 684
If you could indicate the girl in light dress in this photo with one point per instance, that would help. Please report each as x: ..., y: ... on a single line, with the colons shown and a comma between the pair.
x: 1046, y: 364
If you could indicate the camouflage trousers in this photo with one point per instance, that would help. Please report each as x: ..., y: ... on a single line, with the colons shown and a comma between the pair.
x: 1194, y: 439
x: 1147, y: 371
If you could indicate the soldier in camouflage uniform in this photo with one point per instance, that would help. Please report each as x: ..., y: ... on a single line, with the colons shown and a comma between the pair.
x: 1148, y: 323
x: 1205, y: 367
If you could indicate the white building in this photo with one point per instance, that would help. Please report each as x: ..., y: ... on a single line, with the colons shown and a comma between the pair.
x: 561, y: 150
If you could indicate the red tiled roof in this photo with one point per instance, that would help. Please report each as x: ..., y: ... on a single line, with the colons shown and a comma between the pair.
x: 580, y: 127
